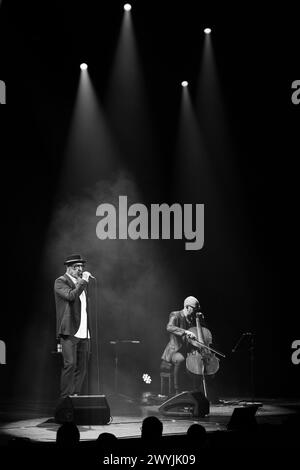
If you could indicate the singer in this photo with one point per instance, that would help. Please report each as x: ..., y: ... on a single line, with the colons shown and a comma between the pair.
x: 72, y: 324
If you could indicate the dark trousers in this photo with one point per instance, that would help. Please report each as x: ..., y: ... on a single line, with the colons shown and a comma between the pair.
x: 179, y: 367
x: 75, y: 359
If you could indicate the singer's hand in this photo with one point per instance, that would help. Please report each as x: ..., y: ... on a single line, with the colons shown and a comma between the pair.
x: 86, y: 275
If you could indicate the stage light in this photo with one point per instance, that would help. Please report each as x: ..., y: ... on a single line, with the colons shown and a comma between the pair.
x: 147, y: 379
x: 127, y: 7
x: 83, y: 66
x: 207, y: 30
x: 184, y: 83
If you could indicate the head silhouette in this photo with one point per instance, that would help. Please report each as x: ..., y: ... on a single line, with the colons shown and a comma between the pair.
x: 68, y: 435
x: 196, y: 433
x: 152, y: 428
x: 106, y: 441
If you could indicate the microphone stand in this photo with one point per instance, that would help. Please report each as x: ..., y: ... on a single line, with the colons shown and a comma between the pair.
x: 96, y: 335
x: 251, y: 350
x: 116, y: 393
x: 237, y: 344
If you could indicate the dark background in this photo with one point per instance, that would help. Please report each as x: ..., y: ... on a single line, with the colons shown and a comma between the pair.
x: 245, y: 276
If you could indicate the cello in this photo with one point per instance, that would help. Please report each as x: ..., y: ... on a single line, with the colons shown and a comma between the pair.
x: 202, y: 360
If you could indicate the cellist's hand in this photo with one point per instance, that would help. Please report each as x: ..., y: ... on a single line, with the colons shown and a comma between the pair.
x: 190, y: 335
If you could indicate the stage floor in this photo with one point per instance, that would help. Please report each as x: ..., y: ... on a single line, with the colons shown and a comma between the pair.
x: 35, y: 421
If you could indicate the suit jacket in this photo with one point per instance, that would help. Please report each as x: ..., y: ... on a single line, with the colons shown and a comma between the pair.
x: 178, y: 341
x: 68, y: 305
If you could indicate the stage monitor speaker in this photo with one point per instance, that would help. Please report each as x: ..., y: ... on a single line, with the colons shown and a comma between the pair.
x: 192, y: 403
x: 243, y: 418
x: 83, y: 409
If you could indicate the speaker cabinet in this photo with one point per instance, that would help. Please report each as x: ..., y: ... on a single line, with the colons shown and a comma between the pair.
x: 243, y: 418
x: 83, y: 409
x: 192, y: 403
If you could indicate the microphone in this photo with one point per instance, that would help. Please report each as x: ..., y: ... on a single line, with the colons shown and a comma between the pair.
x: 93, y: 277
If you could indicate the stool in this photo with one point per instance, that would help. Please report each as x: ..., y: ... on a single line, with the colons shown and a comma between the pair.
x: 163, y: 377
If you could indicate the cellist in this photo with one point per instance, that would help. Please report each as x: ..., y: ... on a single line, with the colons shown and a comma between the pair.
x: 176, y: 350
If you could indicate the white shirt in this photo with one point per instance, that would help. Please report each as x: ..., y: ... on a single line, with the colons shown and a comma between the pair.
x: 82, y: 330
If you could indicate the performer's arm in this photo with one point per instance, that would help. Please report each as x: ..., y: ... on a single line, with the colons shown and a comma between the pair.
x: 67, y: 292
x: 173, y: 328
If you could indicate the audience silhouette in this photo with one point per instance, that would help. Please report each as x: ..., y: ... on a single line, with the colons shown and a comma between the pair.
x: 196, y: 436
x: 152, y: 428
x: 68, y: 435
x: 107, y: 443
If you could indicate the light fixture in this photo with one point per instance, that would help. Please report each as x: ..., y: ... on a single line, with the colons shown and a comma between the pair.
x: 147, y: 379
